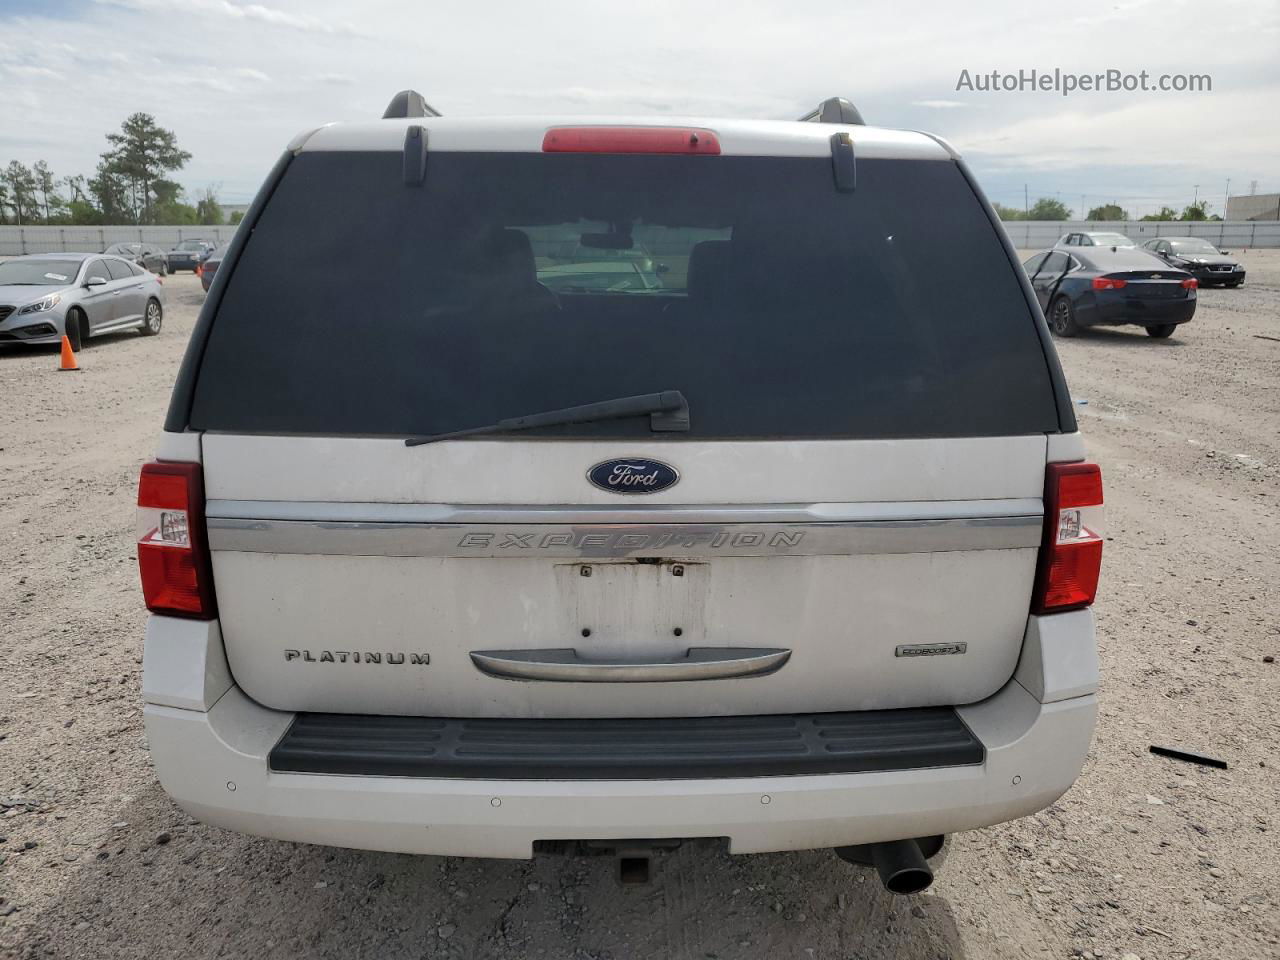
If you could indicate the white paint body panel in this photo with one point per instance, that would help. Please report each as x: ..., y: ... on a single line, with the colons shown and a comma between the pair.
x: 362, y: 470
x: 1034, y: 753
x: 761, y: 138
x: 842, y: 616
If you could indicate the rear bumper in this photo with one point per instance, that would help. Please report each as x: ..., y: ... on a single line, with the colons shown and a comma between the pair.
x: 210, y: 745
x: 1116, y: 310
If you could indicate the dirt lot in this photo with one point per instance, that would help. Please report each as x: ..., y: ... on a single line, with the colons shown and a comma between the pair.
x: 1145, y: 856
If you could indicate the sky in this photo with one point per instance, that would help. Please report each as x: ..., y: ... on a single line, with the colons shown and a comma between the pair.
x: 237, y: 79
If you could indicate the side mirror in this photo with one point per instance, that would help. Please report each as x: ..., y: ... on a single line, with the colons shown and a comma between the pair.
x: 95, y: 282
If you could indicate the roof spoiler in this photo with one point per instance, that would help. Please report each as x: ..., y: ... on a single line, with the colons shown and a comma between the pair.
x: 408, y: 103
x: 834, y: 110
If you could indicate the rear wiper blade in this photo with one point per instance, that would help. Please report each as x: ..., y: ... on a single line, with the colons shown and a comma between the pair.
x: 668, y: 411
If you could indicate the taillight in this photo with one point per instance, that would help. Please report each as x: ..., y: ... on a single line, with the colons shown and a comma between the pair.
x: 199, y: 269
x: 1109, y: 283
x: 684, y: 140
x: 1071, y: 554
x: 1190, y: 283
x: 173, y: 556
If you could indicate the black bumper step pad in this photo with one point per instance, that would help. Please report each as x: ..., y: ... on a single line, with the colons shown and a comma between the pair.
x: 626, y: 749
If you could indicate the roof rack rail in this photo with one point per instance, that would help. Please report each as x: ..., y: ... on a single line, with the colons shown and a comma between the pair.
x: 408, y: 103
x: 835, y: 110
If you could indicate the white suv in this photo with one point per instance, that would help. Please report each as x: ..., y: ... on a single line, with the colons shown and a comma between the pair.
x: 799, y: 552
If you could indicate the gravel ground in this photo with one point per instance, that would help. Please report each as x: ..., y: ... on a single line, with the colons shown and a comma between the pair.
x: 1145, y: 857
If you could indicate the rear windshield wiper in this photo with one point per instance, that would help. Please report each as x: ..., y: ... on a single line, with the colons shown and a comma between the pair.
x: 668, y: 411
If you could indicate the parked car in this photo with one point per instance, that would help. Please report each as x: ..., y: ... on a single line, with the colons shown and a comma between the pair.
x: 798, y: 554
x: 1200, y: 258
x: 209, y: 267
x: 81, y: 295
x: 1099, y: 286
x: 143, y: 254
x: 189, y: 254
x: 1095, y: 238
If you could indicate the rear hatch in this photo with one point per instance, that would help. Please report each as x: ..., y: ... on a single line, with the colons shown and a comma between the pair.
x: 849, y: 522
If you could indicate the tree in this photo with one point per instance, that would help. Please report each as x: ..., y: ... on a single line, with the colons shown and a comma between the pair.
x: 1196, y: 211
x: 236, y: 217
x: 111, y: 194
x: 1008, y: 213
x: 1165, y: 213
x: 1048, y: 209
x: 76, y: 186
x: 22, y: 190
x: 1110, y: 211
x: 208, y: 209
x: 47, y: 184
x: 141, y: 154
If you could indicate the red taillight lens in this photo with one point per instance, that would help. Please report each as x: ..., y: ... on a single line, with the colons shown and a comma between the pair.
x: 173, y: 556
x: 1109, y: 283
x: 1191, y: 283
x: 682, y: 140
x: 1071, y: 554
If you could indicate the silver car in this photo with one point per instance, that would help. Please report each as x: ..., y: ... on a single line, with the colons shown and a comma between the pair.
x: 80, y: 294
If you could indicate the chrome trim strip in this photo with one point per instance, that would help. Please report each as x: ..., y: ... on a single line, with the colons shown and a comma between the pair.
x: 322, y: 511
x: 603, y: 540
x: 563, y: 665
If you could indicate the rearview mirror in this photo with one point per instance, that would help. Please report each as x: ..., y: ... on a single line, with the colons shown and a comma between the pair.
x: 95, y: 282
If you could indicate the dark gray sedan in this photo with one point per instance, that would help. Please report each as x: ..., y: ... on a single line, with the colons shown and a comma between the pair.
x: 143, y: 254
x: 189, y: 254
x: 211, y: 265
x: 1198, y: 257
x: 1104, y: 286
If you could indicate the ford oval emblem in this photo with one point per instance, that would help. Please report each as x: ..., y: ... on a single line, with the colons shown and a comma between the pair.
x: 633, y: 475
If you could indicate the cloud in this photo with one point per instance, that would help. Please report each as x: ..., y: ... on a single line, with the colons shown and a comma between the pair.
x: 236, y: 79
x: 254, y: 12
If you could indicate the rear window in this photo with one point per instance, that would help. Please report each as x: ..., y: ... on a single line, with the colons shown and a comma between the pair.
x: 509, y: 284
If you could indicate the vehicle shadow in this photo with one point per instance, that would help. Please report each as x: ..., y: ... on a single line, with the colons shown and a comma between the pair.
x: 207, y: 892
x: 1128, y: 337
x: 12, y: 348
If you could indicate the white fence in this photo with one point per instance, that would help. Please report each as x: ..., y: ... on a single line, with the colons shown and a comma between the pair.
x: 16, y: 241
x: 1025, y: 234
x: 1233, y: 234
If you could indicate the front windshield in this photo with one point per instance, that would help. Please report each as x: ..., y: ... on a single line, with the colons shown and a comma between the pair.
x: 1111, y: 240
x: 191, y: 245
x: 124, y: 249
x: 593, y: 256
x: 42, y: 273
x: 1193, y: 246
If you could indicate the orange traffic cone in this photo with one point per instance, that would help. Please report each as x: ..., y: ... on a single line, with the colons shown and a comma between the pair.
x: 68, y: 361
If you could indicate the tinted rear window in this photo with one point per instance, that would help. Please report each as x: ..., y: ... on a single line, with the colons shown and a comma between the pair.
x: 513, y: 283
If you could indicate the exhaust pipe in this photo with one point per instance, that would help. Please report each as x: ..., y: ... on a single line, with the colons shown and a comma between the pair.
x: 900, y: 863
x: 902, y: 867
